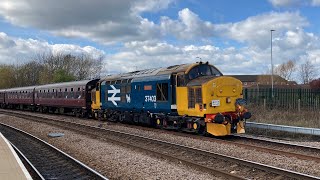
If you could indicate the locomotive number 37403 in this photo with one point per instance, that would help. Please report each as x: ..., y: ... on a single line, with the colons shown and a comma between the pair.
x: 150, y: 98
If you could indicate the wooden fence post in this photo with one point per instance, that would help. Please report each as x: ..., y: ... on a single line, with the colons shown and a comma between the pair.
x: 299, y: 108
x: 264, y: 103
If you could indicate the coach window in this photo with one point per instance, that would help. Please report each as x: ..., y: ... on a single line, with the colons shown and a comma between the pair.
x: 65, y: 93
x: 78, y: 93
x: 59, y: 94
x: 83, y: 92
x: 162, y: 92
x: 71, y: 94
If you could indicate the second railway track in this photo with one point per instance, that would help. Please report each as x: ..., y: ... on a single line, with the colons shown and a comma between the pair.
x: 221, y: 165
x: 48, y: 161
x: 277, y: 147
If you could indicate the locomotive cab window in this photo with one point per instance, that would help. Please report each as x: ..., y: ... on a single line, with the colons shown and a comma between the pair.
x: 162, y: 92
x: 203, y: 70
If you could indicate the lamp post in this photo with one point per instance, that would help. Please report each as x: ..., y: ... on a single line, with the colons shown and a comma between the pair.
x: 271, y: 65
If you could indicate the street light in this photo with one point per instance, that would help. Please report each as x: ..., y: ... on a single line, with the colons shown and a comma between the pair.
x: 271, y: 65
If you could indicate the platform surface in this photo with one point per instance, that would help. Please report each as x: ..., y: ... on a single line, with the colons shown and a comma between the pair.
x: 11, y: 167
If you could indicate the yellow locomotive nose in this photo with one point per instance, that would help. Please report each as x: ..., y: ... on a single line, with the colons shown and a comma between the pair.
x: 221, y: 94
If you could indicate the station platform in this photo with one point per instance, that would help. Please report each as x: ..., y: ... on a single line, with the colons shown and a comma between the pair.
x: 11, y: 167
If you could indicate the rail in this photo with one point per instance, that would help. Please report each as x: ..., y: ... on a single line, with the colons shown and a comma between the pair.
x: 49, y: 161
x: 284, y: 128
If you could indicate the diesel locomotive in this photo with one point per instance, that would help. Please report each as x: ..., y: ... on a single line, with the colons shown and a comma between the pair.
x: 193, y: 97
x: 188, y: 97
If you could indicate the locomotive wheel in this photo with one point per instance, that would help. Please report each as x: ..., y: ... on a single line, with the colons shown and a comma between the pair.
x: 122, y: 118
x: 199, y: 128
x: 158, y: 123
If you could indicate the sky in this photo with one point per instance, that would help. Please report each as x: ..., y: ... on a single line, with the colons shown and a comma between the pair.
x: 233, y: 35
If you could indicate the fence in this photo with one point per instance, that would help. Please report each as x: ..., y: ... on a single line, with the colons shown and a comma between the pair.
x: 294, y: 99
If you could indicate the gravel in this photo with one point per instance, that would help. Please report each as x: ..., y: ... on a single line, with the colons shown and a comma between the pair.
x: 113, y: 161
x: 294, y: 164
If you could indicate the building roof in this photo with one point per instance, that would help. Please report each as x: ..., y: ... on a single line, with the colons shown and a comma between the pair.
x: 255, y: 78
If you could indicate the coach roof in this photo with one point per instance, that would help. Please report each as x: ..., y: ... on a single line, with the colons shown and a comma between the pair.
x: 65, y: 84
x: 20, y: 89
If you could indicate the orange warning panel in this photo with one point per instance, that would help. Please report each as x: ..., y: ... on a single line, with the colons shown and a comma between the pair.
x: 11, y: 166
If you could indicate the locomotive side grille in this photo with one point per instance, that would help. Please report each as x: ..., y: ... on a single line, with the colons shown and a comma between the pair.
x: 191, y: 100
x: 198, y: 96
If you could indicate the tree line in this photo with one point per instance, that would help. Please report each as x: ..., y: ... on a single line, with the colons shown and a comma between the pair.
x: 306, y: 73
x: 49, y: 68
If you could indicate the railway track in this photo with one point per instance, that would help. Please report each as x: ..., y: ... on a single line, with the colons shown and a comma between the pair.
x: 263, y: 145
x: 46, y: 161
x: 218, y: 164
x: 276, y: 147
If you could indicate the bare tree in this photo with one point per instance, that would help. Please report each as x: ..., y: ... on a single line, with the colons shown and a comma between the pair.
x: 307, y: 72
x: 286, y: 69
x: 48, y: 68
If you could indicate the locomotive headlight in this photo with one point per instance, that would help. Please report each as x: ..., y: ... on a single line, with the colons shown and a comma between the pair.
x: 228, y: 100
x: 234, y: 90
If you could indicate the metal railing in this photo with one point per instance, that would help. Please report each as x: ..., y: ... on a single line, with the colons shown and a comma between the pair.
x: 283, y: 128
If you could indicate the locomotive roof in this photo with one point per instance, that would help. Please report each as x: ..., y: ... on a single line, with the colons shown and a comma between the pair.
x: 66, y: 84
x: 152, y: 72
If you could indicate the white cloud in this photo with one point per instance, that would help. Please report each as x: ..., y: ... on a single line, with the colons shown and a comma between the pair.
x: 144, y: 55
x: 121, y: 22
x: 188, y: 26
x: 294, y: 3
x: 255, y: 30
x: 315, y: 3
x: 296, y: 45
x: 17, y: 50
x: 150, y: 5
x: 104, y: 21
x: 286, y: 3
